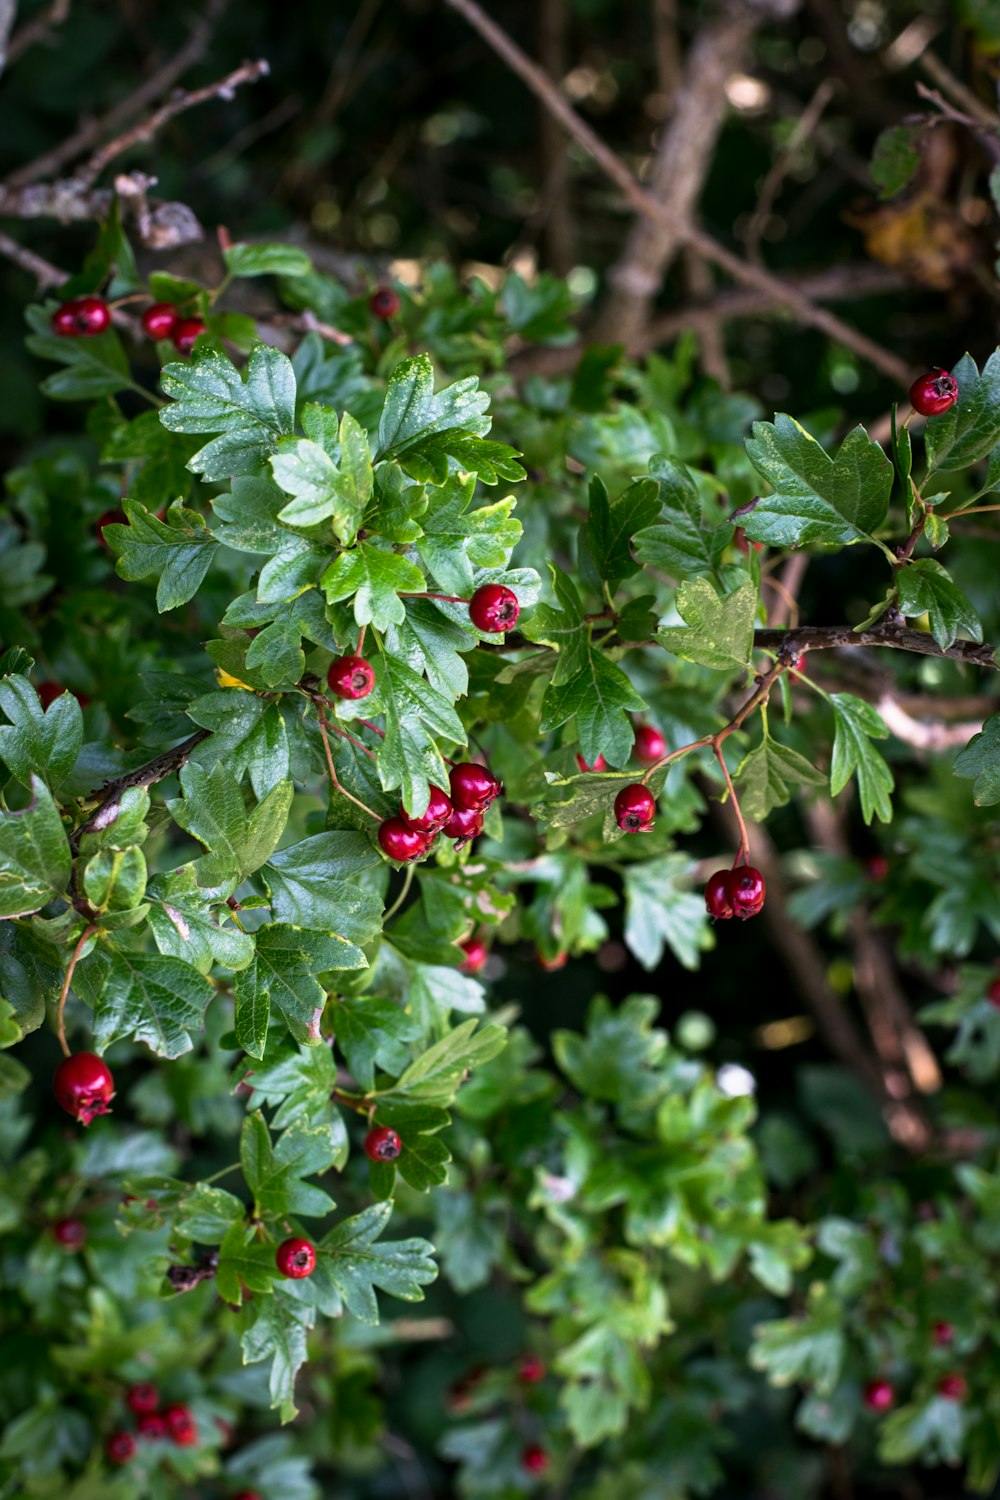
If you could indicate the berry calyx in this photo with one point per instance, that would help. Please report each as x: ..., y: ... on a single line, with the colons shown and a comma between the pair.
x: 84, y: 1086
x: 83, y: 317
x: 650, y: 745
x: 296, y: 1258
x: 382, y: 1144
x: 551, y: 965
x: 718, y: 899
x: 746, y: 891
x: 181, y: 1426
x: 879, y: 1395
x: 635, y: 808
x: 151, y: 1425
x: 439, y: 810
x: 534, y: 1460
x: 472, y: 786
x: 70, y: 1233
x: 993, y: 993
x: 384, y: 303
x: 400, y: 842
x: 953, y: 1387
x: 142, y: 1398
x: 351, y: 677
x: 933, y: 393
x: 464, y: 824
x: 159, y: 321
x: 184, y: 333
x: 530, y: 1370
x: 494, y: 609
x: 476, y: 954
x: 876, y: 867
x: 119, y: 1447
x: 600, y: 764
x: 943, y: 1334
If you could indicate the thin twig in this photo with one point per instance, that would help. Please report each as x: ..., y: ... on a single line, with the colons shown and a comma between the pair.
x: 404, y: 892
x: 44, y: 272
x: 963, y: 96
x: 804, y: 127
x: 898, y: 638
x: 334, y: 781
x: 37, y: 28
x: 8, y: 13
x: 84, y: 937
x: 153, y: 771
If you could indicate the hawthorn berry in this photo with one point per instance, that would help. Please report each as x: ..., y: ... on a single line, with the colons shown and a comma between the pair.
x: 551, y: 965
x: 70, y: 1233
x: 635, y: 808
x: 746, y: 891
x: 600, y: 764
x: 184, y: 333
x: 993, y: 993
x: 181, y: 1425
x: 718, y: 898
x: 464, y: 824
x: 84, y: 1086
x: 384, y: 303
x: 160, y: 320
x: 650, y: 745
x: 943, y: 1334
x: 382, y: 1144
x: 151, y: 1425
x: 879, y: 1395
x: 473, y: 787
x: 48, y: 692
x: 248, y: 1495
x: 933, y: 393
x: 83, y: 317
x: 953, y: 1387
x: 351, y: 677
x: 296, y: 1258
x: 439, y: 810
x: 142, y: 1398
x: 401, y: 842
x: 476, y: 954
x: 119, y: 1447
x: 876, y: 867
x: 494, y: 609
x: 530, y: 1370
x: 534, y: 1460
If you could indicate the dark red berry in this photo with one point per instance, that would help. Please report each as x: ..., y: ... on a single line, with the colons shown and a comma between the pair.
x: 464, y: 824
x: 879, y: 1395
x: 876, y: 867
x: 718, y: 898
x: 151, y: 1425
x: 48, y: 692
x: 635, y: 808
x: 84, y: 1086
x: 71, y: 1233
x: 650, y: 746
x: 493, y: 609
x: 351, y: 677
x: 400, y: 842
x: 550, y: 965
x: 600, y: 764
x: 384, y: 303
x: 382, y: 1144
x: 933, y: 393
x: 120, y: 1447
x: 476, y: 954
x: 248, y: 1495
x: 142, y: 1398
x: 296, y: 1258
x: 439, y: 810
x: 746, y: 891
x: 953, y: 1387
x: 109, y: 518
x: 534, y: 1460
x: 81, y: 318
x: 160, y: 320
x: 943, y: 1334
x: 184, y: 333
x: 473, y: 786
x: 181, y: 1426
x: 530, y: 1370
x: 993, y: 993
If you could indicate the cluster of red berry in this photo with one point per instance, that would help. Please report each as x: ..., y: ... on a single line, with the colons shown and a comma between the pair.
x: 458, y: 816
x: 173, y: 1424
x: 649, y: 747
x: 85, y: 317
x: 530, y: 1371
x: 880, y: 1395
x: 735, y: 893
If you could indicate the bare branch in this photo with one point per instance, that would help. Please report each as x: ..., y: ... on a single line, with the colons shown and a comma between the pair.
x: 896, y: 638
x: 160, y: 226
x: 44, y: 272
x: 153, y: 771
x: 8, y: 12
x: 34, y: 30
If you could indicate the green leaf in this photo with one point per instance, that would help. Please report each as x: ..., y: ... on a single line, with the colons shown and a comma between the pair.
x: 456, y: 541
x: 413, y: 413
x: 925, y: 587
x: 895, y: 158
x: 375, y: 576
x: 326, y: 487
x: 183, y: 924
x: 278, y: 1333
x: 275, y: 654
x: 94, y: 367
x: 969, y: 429
x: 248, y: 734
x: 266, y: 260
x: 274, y: 1173
x: 680, y: 544
x: 661, y: 914
x: 719, y: 630
x: 209, y: 395
x: 765, y: 776
x: 981, y: 760
x: 213, y: 810
x: 435, y: 1076
x: 177, y: 551
x: 370, y: 1031
x: 207, y: 1213
x: 245, y: 1263
x: 315, y: 884
x: 150, y: 998
x: 286, y: 962
x: 856, y: 725
x: 816, y: 498
x: 619, y: 1058
x: 601, y: 698
x: 351, y: 1265
x: 414, y: 711
x: 931, y: 1430
x: 809, y: 1348
x: 36, y: 741
x: 35, y: 859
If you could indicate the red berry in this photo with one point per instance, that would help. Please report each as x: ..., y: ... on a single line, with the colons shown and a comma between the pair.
x: 109, y: 518
x: 160, y: 320
x: 81, y: 318
x: 530, y: 1370
x: 71, y: 1233
x: 879, y: 1395
x: 384, y: 303
x: 400, y: 842
x: 650, y: 746
x: 718, y: 898
x: 151, y: 1425
x: 953, y: 1387
x: 439, y: 810
x: 876, y: 867
x: 476, y: 954
x: 142, y: 1398
x: 600, y: 764
x: 635, y: 808
x: 933, y: 393
x: 184, y: 333
x: 382, y: 1144
x: 943, y: 1334
x: 493, y: 609
x: 48, y: 692
x: 84, y: 1086
x: 534, y: 1460
x: 464, y: 824
x: 248, y: 1495
x: 120, y: 1447
x: 181, y: 1426
x: 993, y: 993
x: 550, y: 965
x: 746, y: 891
x: 296, y: 1258
x: 351, y: 677
x: 473, y: 786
